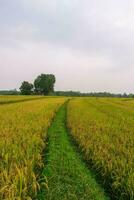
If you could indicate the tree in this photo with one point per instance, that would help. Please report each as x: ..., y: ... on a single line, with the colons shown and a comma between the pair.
x: 44, y: 84
x: 26, y: 88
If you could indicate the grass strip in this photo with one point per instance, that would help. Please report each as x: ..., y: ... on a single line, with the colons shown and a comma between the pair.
x: 68, y: 177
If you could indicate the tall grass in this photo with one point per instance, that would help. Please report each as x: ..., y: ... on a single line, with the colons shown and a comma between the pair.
x: 23, y: 128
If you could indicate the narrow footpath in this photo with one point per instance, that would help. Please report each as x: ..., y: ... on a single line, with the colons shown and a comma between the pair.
x: 68, y: 177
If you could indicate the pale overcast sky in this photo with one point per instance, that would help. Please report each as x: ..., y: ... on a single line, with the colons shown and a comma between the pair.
x: 88, y: 45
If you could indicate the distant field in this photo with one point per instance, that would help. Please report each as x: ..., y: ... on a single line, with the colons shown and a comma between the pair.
x: 88, y: 135
x: 4, y: 99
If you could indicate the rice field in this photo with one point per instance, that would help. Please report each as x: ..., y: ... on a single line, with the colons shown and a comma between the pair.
x: 104, y: 130
x: 23, y: 128
x: 6, y: 99
x: 89, y: 148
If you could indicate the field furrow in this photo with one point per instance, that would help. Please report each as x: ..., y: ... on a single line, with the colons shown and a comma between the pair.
x: 67, y: 176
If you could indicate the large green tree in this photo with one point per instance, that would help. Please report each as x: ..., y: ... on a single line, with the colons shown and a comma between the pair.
x: 26, y: 88
x: 44, y: 84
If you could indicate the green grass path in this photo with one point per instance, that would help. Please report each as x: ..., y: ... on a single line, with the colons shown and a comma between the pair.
x: 67, y: 175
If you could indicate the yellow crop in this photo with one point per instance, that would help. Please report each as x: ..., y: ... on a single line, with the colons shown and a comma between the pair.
x: 104, y: 129
x: 12, y: 99
x: 23, y: 128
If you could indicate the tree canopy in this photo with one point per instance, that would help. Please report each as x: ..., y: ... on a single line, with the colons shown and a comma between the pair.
x: 44, y: 84
x: 26, y: 88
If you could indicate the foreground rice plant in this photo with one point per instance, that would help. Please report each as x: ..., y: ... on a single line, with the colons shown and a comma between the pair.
x: 23, y: 128
x: 104, y: 130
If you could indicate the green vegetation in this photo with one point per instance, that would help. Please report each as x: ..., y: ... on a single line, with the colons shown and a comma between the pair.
x: 26, y: 88
x: 43, y: 85
x: 67, y: 176
x: 91, y: 94
x: 9, y: 92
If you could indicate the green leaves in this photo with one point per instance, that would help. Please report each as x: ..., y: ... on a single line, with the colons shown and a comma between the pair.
x: 44, y: 84
x: 26, y: 88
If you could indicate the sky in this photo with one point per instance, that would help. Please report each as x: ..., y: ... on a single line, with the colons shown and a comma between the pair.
x: 88, y: 45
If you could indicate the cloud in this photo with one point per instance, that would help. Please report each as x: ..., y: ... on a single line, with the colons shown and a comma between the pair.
x: 87, y: 38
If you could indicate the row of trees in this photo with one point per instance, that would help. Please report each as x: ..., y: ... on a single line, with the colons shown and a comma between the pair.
x: 91, y: 94
x: 43, y: 85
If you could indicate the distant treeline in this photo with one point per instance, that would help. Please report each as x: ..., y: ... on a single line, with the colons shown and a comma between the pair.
x: 9, y: 92
x: 91, y: 94
x: 73, y: 94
